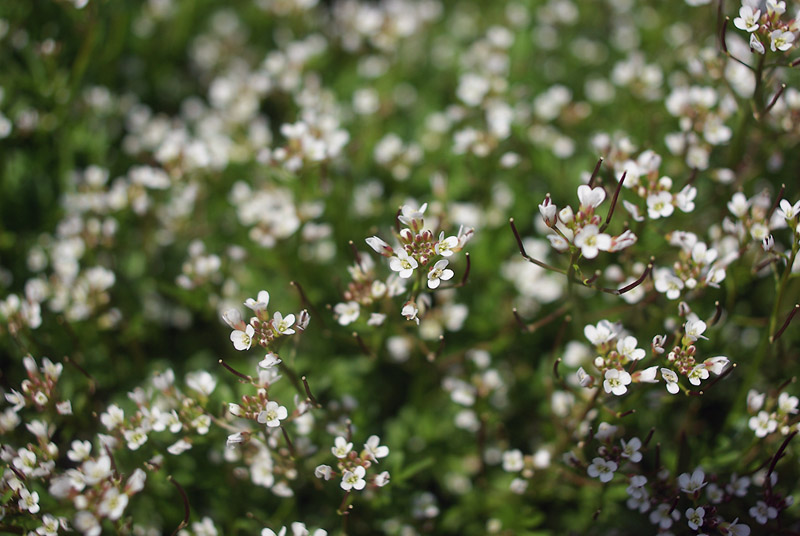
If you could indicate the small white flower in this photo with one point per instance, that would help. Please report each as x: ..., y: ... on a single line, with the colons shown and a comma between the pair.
x: 283, y: 325
x: 627, y: 348
x: 323, y: 472
x: 590, y: 197
x: 583, y: 378
x: 780, y: 40
x: 747, y: 19
x: 602, y: 469
x: 756, y: 44
x: 616, y: 381
x: 591, y: 241
x: 659, y: 205
x: 762, y: 512
x: 403, y: 264
x: 788, y: 211
x: 113, y: 504
x: 347, y: 313
x: 354, y: 479
x: 787, y: 404
x: 513, y: 461
x: 692, y: 483
x: 694, y: 517
x: 259, y: 304
x: 341, y: 447
x: 631, y: 448
x: 273, y: 414
x: 243, y: 339
x: 445, y: 246
x: 698, y: 374
x: 440, y: 272
x: 374, y: 449
x: 28, y: 501
x: 671, y: 379
x: 270, y: 360
x: 695, y: 330
x: 762, y: 424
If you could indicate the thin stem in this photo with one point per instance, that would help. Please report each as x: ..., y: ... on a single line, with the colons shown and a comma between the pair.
x: 774, y: 99
x: 777, y: 202
x: 595, y: 172
x: 526, y: 256
x: 235, y: 372
x: 308, y: 393
x: 362, y: 345
x: 614, y: 201
x: 288, y: 441
x: 785, y: 323
x: 186, y: 510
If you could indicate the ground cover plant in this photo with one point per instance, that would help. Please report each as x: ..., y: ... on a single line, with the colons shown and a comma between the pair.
x: 399, y: 267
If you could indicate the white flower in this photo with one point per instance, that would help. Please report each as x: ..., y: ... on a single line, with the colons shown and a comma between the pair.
x: 341, y: 447
x: 672, y: 380
x: 374, y: 449
x: 410, y: 311
x: 647, y: 375
x: 28, y: 501
x: 513, y: 461
x: 323, y: 472
x: 269, y: 361
x: 445, y: 246
x: 762, y: 424
x: 733, y: 528
x: 756, y: 44
x: 583, y: 378
x: 739, y: 205
x: 747, y: 19
x: 659, y: 205
x: 283, y: 325
x: 602, y: 469
x: 603, y: 332
x: 694, y: 517
x: 630, y: 449
x: 684, y: 199
x: 439, y: 273
x: 697, y: 374
x: 135, y: 438
x: 243, y: 339
x: 627, y: 348
x: 113, y: 504
x: 273, y: 414
x: 354, y: 479
x: 787, y: 404
x: 780, y: 40
x: 113, y: 417
x: 259, y: 304
x: 379, y: 246
x: 79, y: 450
x: 616, y: 381
x: 201, y: 381
x: 381, y: 479
x: 591, y: 241
x: 633, y: 210
x: 590, y: 197
x: 403, y: 264
x: 347, y: 313
x: 788, y: 211
x: 692, y: 483
x: 548, y: 211
x: 762, y: 512
x: 716, y: 364
x: 667, y: 283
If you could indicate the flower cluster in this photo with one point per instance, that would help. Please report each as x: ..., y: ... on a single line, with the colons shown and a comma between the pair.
x: 418, y: 249
x: 768, y: 27
x: 352, y: 466
x: 582, y: 231
x: 764, y: 422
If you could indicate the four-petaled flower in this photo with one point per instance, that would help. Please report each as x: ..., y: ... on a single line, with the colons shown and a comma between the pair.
x: 440, y: 272
x: 591, y: 241
x: 283, y: 325
x: 354, y: 479
x: 273, y: 414
x: 671, y: 379
x: 403, y: 264
x: 243, y: 339
x: 602, y: 469
x: 374, y: 449
x: 341, y: 447
x: 747, y: 19
x: 616, y: 381
x: 694, y: 517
